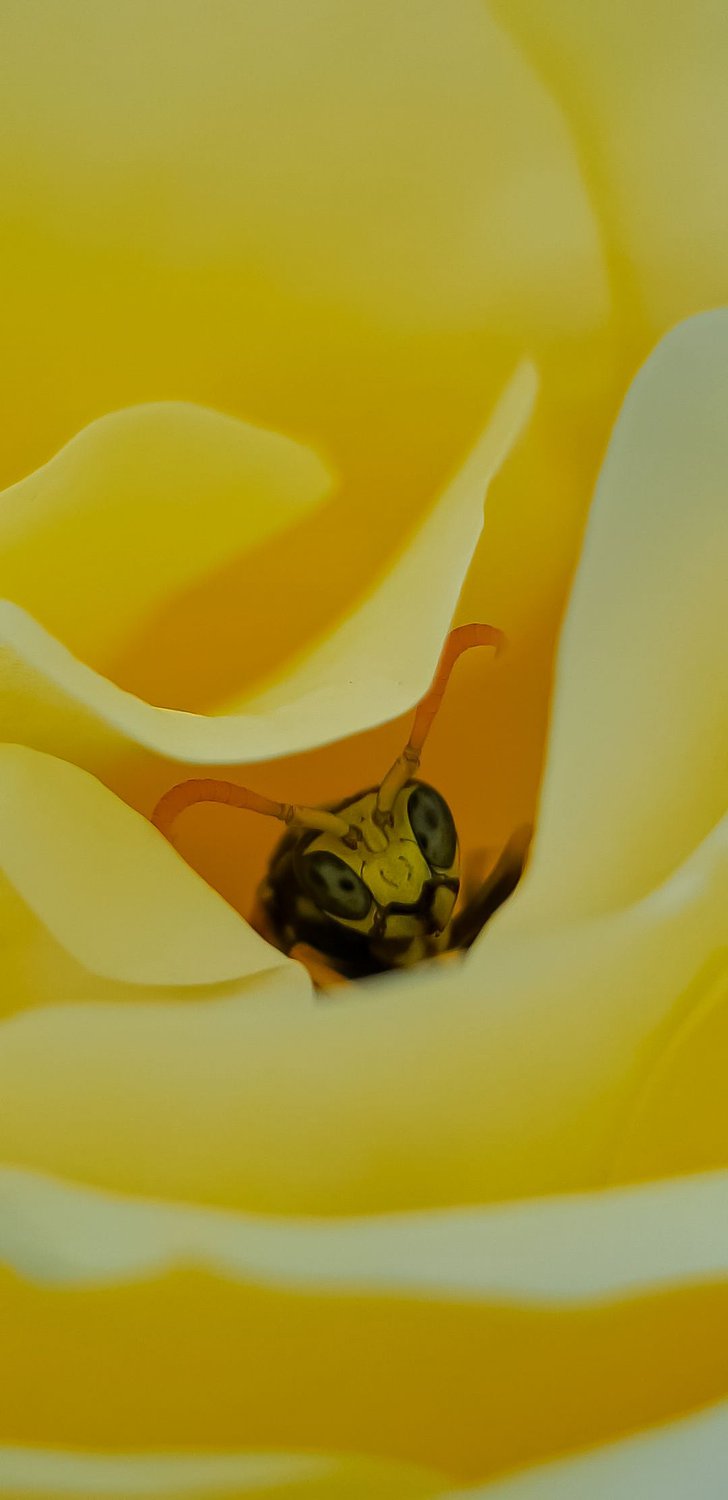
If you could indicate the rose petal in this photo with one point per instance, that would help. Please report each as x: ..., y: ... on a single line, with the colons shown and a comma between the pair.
x: 383, y: 1337
x: 563, y: 1249
x: 414, y: 601
x: 644, y: 94
x: 520, y: 1066
x: 223, y: 238
x: 637, y: 771
x: 689, y: 1457
x: 108, y: 887
x: 681, y: 1114
x: 140, y: 505
x: 343, y: 685
x: 337, y: 1130
x: 366, y: 288
x: 44, y: 1475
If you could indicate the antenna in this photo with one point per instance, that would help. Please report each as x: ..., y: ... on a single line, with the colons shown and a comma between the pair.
x: 463, y: 638
x: 187, y: 793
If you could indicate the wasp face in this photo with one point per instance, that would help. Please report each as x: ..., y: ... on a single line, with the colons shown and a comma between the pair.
x: 398, y: 885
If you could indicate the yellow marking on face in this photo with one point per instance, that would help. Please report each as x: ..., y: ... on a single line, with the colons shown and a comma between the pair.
x: 388, y: 860
x: 442, y: 907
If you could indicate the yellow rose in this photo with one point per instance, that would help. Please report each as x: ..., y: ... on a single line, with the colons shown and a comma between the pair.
x: 460, y: 1223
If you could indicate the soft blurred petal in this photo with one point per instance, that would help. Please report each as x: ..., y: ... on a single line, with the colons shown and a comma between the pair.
x: 387, y: 649
x: 680, y: 1114
x: 342, y: 685
x: 563, y: 1249
x: 316, y: 1090
x: 140, y: 505
x: 689, y: 1457
x: 346, y: 223
x: 519, y: 1067
x: 637, y: 772
x: 643, y: 90
x: 108, y: 887
x: 45, y: 1474
x: 328, y: 218
x: 420, y: 1340
x: 182, y: 221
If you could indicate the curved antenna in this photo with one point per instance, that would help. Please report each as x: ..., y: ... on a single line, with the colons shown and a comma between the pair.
x: 187, y: 793
x: 463, y: 638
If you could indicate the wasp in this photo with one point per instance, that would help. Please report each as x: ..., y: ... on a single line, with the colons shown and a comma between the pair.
x: 371, y: 883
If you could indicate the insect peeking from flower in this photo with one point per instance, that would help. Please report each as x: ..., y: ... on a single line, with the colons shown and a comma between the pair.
x: 371, y: 883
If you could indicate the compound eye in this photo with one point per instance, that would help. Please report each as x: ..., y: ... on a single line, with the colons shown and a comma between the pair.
x: 334, y: 886
x: 433, y: 826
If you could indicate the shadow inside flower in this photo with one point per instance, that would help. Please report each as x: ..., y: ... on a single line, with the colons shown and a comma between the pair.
x: 371, y: 883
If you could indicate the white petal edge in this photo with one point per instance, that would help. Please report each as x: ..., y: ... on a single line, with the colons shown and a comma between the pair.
x: 48, y: 1474
x: 682, y: 1460
x: 571, y: 1249
x: 636, y: 771
x: 345, y: 685
x: 109, y: 887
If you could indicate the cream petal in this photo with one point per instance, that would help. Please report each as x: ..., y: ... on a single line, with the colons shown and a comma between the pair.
x: 136, y: 508
x: 688, y: 1457
x: 45, y: 1474
x: 366, y: 288
x: 390, y: 1337
x: 108, y: 887
x: 680, y: 1114
x: 637, y: 771
x: 343, y: 685
x: 644, y: 94
x: 520, y: 1067
x: 561, y: 1250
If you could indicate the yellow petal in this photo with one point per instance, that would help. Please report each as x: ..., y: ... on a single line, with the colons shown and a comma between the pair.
x: 45, y: 1474
x: 108, y: 887
x: 342, y: 686
x: 689, y: 1457
x: 680, y: 1114
x: 331, y: 220
x: 484, y: 1115
x: 644, y: 93
x: 139, y: 505
x: 414, y: 1339
x: 636, y: 771
x: 561, y: 1250
x: 520, y: 1066
x: 365, y: 287
x: 386, y: 650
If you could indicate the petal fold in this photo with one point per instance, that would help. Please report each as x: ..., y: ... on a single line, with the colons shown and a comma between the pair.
x: 137, y: 507
x: 241, y: 249
x: 636, y: 772
x: 341, y: 686
x: 108, y: 887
